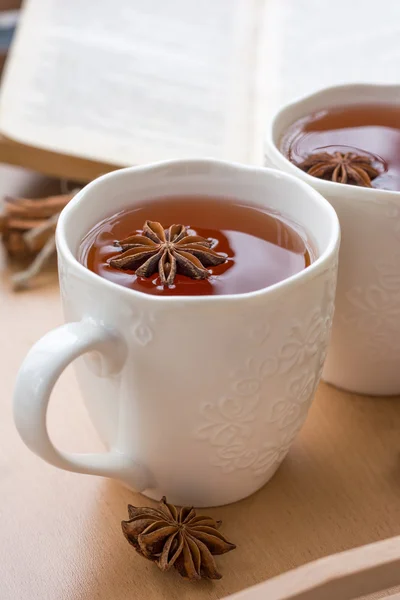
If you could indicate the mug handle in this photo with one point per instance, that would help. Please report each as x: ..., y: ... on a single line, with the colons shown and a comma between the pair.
x: 37, y: 376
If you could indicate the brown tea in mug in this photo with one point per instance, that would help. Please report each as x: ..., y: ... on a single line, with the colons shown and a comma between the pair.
x: 367, y: 131
x: 195, y: 246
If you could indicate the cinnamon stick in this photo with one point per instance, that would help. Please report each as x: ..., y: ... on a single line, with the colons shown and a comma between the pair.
x: 35, y: 209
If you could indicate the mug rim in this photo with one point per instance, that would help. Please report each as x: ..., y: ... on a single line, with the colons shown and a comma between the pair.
x: 64, y: 250
x: 324, y: 186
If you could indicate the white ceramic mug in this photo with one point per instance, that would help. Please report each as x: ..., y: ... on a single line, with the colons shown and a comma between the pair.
x: 197, y: 398
x: 364, y: 353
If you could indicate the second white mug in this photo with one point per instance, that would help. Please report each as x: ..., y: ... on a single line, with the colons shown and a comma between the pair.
x: 364, y: 354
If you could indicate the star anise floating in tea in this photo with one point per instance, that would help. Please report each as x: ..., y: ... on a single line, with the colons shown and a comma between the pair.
x: 176, y: 538
x: 168, y: 251
x: 348, y: 168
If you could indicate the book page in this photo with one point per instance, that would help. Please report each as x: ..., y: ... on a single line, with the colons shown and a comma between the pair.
x: 320, y: 43
x: 133, y: 81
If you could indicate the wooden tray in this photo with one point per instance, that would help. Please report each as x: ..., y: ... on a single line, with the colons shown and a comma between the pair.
x: 344, y: 576
x: 60, y: 536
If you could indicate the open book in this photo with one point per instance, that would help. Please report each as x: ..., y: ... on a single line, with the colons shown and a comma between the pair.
x: 122, y: 82
x: 92, y: 84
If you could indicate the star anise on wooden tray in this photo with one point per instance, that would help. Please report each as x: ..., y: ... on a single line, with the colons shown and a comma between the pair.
x: 178, y: 538
x: 348, y: 168
x: 27, y: 226
x: 168, y: 251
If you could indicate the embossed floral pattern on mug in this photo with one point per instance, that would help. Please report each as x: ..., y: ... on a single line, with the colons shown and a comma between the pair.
x: 142, y: 329
x: 248, y: 428
x: 375, y: 311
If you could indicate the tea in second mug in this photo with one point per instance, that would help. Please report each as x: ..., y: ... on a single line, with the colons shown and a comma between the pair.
x: 197, y: 398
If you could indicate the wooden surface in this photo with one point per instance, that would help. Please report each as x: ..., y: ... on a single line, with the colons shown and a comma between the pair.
x: 60, y: 536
